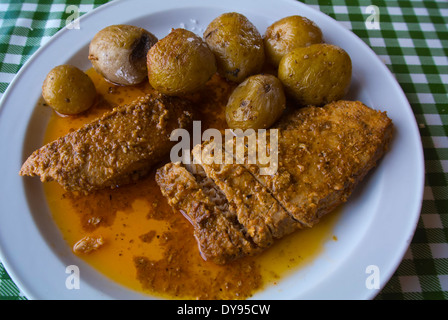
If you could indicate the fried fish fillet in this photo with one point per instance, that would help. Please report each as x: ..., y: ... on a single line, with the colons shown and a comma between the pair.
x: 323, y: 154
x: 220, y: 237
x: 116, y: 149
x: 262, y: 216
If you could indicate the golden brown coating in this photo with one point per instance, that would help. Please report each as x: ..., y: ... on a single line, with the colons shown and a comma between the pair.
x: 289, y: 33
x: 324, y: 152
x: 317, y: 74
x: 180, y: 63
x: 237, y: 45
x: 118, y: 53
x: 263, y: 218
x: 116, y: 149
x: 219, y: 239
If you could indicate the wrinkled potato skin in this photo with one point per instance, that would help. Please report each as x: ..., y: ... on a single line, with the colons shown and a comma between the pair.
x: 180, y: 63
x: 118, y: 53
x: 237, y: 45
x: 256, y: 103
x: 68, y: 90
x: 287, y: 34
x: 317, y: 74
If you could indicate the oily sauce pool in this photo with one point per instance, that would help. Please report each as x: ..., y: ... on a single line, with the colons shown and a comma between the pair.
x: 148, y: 246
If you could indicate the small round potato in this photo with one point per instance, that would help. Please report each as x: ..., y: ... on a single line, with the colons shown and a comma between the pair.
x: 237, y: 45
x: 287, y: 34
x: 180, y: 63
x: 317, y: 74
x: 256, y: 103
x: 118, y: 53
x: 68, y: 90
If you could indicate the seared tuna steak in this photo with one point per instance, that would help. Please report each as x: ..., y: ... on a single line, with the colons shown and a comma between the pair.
x: 116, y: 149
x: 323, y: 153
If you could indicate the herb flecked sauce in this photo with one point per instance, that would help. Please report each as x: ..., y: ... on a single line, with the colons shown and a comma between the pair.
x: 148, y: 246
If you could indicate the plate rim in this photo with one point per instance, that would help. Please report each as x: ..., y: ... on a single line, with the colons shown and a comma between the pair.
x: 420, y: 157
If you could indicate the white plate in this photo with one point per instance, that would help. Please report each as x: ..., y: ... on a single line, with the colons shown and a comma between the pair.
x: 375, y: 228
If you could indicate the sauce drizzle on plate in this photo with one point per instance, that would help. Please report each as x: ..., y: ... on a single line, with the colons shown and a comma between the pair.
x: 150, y: 248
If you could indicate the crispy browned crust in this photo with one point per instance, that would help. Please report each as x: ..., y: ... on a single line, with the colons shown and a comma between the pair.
x: 219, y: 239
x: 324, y: 152
x: 257, y: 210
x: 116, y: 149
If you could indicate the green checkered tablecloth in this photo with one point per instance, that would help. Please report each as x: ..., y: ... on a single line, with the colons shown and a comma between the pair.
x: 412, y: 40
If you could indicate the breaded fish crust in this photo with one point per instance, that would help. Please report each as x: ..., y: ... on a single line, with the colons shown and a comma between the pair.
x: 219, y: 238
x: 323, y: 154
x: 114, y: 150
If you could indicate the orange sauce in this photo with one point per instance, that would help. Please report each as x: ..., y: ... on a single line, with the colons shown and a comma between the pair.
x: 149, y: 247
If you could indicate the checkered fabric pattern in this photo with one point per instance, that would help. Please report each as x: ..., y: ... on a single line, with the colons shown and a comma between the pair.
x: 411, y: 39
x: 24, y: 27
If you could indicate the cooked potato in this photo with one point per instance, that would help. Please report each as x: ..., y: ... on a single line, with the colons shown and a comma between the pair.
x: 287, y: 34
x: 118, y: 53
x: 180, y: 63
x: 317, y: 74
x: 237, y: 45
x: 256, y: 103
x: 68, y: 90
